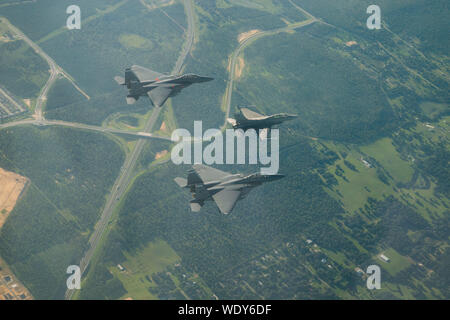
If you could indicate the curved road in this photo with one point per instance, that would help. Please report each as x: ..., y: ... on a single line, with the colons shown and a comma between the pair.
x: 229, y: 90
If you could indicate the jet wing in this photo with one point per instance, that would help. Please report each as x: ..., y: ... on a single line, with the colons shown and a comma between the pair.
x: 144, y: 74
x: 209, y: 174
x: 226, y: 200
x: 159, y: 95
x: 249, y: 114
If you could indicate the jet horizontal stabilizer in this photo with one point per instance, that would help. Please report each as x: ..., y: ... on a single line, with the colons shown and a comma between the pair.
x: 196, y: 207
x: 120, y: 80
x: 181, y: 182
x: 131, y: 100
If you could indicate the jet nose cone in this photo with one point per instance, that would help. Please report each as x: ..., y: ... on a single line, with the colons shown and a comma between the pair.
x: 291, y: 116
x: 205, y: 79
x: 274, y: 177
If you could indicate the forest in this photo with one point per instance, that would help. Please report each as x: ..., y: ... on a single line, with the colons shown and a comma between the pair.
x: 70, y: 173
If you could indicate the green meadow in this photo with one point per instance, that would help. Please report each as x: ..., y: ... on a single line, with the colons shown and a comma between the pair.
x: 140, y: 266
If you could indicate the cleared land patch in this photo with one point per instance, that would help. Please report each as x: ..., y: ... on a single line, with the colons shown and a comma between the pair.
x: 10, y: 287
x: 11, y: 187
x: 245, y: 35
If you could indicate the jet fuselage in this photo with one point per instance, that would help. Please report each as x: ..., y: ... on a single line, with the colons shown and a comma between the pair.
x: 140, y: 88
x: 263, y: 122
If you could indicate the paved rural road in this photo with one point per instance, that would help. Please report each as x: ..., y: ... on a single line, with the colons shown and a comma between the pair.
x: 126, y: 173
x: 229, y: 90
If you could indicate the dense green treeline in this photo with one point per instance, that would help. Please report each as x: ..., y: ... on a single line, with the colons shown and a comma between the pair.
x: 333, y: 97
x: 61, y: 94
x: 40, y: 18
x: 95, y: 110
x: 70, y: 173
x: 22, y: 71
x: 420, y: 19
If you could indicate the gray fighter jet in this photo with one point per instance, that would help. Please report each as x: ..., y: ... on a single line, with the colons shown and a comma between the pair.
x: 158, y: 87
x: 247, y: 119
x: 206, y: 183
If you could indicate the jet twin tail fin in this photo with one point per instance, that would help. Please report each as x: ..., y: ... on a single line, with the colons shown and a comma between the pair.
x: 181, y: 182
x: 131, y: 100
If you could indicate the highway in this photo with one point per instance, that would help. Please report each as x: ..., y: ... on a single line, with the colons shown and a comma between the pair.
x: 126, y: 173
x: 190, y: 34
x: 229, y: 90
x: 55, y: 70
x: 75, y: 125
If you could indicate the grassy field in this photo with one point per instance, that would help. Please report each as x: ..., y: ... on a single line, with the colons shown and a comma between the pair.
x: 357, y: 186
x: 396, y: 264
x: 155, y: 257
x: 433, y: 109
x: 384, y: 153
x: 135, y: 41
